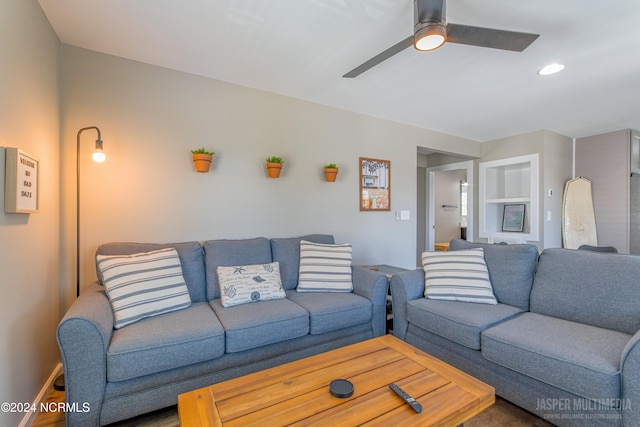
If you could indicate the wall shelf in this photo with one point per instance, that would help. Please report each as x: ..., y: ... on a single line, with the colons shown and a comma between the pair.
x: 505, y: 182
x: 510, y: 200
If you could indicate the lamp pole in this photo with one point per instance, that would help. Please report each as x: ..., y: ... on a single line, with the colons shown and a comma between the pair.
x: 98, y: 156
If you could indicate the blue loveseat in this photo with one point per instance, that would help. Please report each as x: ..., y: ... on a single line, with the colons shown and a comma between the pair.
x: 562, y: 342
x: 120, y: 373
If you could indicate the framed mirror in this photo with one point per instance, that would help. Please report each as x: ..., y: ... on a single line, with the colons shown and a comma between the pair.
x: 375, y: 184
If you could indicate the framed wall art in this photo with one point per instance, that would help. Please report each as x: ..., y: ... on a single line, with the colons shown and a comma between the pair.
x: 513, y: 218
x: 375, y: 184
x: 21, y: 186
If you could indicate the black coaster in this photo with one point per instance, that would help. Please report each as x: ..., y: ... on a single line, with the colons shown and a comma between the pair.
x: 341, y: 388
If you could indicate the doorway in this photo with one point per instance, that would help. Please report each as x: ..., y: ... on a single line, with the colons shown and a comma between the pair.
x: 450, y: 195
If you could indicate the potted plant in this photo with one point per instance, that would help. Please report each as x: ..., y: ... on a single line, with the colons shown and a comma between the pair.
x: 330, y: 172
x: 202, y: 159
x: 274, y: 166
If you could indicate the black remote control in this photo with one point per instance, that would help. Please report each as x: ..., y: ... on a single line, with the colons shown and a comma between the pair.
x: 410, y: 400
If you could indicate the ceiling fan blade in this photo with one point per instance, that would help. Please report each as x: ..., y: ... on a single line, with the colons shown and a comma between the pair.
x: 383, y: 56
x: 489, y: 37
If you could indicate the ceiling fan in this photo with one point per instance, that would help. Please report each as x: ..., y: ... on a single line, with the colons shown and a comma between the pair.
x: 431, y: 31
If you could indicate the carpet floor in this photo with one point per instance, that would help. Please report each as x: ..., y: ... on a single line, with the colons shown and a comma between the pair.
x: 502, y: 414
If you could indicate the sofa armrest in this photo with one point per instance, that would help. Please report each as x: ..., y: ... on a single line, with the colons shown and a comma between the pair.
x: 83, y: 336
x: 405, y: 286
x: 630, y: 379
x: 373, y: 286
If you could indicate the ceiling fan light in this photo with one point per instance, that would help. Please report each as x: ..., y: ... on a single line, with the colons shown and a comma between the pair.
x: 430, y: 37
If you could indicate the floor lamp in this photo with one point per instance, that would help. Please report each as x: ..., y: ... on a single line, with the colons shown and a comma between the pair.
x: 98, y: 156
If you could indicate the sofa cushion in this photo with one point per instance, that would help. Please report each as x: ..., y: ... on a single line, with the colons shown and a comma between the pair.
x: 511, y: 269
x: 250, y: 283
x: 232, y: 252
x: 324, y: 268
x: 597, y: 289
x: 143, y: 285
x: 264, y: 322
x: 330, y: 311
x: 581, y: 359
x: 169, y: 341
x: 460, y: 322
x: 287, y: 253
x: 191, y: 260
x: 457, y: 276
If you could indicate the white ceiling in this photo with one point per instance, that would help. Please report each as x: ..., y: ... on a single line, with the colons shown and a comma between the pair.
x: 301, y: 49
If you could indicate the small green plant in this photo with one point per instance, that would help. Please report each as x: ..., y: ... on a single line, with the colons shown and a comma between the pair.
x: 202, y: 151
x: 274, y: 159
x: 331, y: 166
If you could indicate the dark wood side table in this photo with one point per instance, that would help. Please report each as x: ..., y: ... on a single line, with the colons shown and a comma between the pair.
x: 388, y: 270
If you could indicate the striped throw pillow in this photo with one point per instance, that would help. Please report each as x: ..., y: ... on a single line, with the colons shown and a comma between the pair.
x: 324, y: 268
x: 143, y: 285
x: 457, y: 276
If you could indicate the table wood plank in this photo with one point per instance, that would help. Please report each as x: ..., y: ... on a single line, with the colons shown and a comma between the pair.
x: 321, y: 400
x: 257, y: 380
x: 198, y: 408
x: 464, y: 380
x: 368, y: 407
x: 296, y: 384
x: 297, y: 393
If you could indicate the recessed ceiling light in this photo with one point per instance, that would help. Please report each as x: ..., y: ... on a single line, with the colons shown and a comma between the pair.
x: 550, y: 69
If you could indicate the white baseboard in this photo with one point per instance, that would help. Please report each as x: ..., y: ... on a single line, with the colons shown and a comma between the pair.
x: 30, y: 416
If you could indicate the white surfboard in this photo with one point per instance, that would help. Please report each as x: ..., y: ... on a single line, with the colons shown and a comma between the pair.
x: 578, y: 218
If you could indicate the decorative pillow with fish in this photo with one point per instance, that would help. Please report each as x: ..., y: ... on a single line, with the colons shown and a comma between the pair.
x: 250, y: 283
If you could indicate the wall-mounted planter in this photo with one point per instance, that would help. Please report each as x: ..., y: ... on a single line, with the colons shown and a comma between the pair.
x: 202, y: 162
x: 202, y: 159
x: 330, y: 174
x: 274, y: 166
x: 273, y: 169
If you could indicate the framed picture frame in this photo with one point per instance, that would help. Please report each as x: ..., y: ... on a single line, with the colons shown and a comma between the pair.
x: 21, y: 183
x: 513, y: 218
x: 375, y: 184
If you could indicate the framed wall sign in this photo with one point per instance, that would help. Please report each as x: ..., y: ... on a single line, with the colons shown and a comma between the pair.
x: 513, y: 218
x: 375, y: 184
x: 21, y: 182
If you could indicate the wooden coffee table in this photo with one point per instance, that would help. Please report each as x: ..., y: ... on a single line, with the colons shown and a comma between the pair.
x: 297, y: 393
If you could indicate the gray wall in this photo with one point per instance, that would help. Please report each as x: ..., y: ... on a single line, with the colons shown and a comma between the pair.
x: 147, y: 190
x: 604, y: 160
x: 29, y: 243
x: 555, y: 157
x: 557, y: 161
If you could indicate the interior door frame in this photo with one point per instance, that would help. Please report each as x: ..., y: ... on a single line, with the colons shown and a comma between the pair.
x: 431, y: 213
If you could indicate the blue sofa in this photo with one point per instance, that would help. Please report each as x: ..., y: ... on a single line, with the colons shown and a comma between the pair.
x: 120, y: 373
x: 562, y: 342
